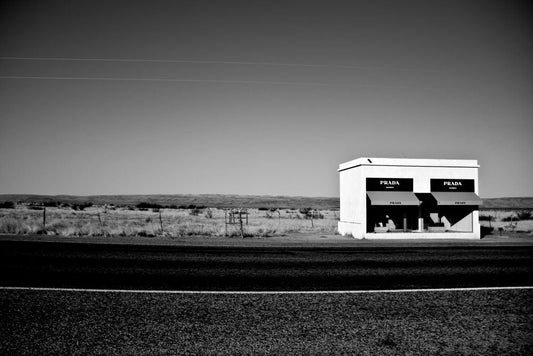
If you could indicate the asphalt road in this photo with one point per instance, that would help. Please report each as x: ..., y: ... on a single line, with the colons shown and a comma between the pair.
x: 313, y: 267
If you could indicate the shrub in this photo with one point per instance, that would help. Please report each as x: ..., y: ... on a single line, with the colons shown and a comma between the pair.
x: 145, y: 205
x: 191, y: 206
x: 486, y: 218
x: 519, y: 215
x: 310, y: 213
x: 305, y: 211
x: 524, y: 215
x: 195, y: 211
x: 9, y: 225
x: 81, y: 206
x: 145, y: 233
x: 58, y: 227
x: 7, y: 205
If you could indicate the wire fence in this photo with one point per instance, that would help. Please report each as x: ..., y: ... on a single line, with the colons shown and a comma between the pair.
x: 102, y: 221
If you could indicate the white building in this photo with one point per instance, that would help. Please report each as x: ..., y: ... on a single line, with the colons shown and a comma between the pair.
x: 409, y: 198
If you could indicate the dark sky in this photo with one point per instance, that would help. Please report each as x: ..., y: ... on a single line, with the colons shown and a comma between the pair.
x: 259, y: 97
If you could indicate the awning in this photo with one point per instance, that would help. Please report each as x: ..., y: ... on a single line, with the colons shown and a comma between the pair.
x: 393, y: 198
x: 457, y: 198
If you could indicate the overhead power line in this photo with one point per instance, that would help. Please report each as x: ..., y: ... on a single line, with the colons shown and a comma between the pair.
x: 125, y: 79
x: 184, y: 61
x: 220, y: 81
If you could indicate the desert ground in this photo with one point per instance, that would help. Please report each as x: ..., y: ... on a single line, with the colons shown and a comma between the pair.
x: 154, y: 220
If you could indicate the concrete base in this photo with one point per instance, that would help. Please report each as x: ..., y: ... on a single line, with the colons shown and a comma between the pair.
x: 421, y: 235
x: 350, y: 228
x: 356, y: 230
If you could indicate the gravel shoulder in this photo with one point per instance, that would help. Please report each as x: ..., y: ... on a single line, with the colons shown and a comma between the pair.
x: 428, y: 323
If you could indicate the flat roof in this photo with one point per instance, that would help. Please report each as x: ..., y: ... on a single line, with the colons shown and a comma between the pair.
x: 408, y: 162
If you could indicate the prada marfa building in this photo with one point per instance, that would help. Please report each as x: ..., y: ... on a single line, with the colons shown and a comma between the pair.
x: 409, y: 198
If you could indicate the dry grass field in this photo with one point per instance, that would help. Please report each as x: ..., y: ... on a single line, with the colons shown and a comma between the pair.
x: 508, y: 220
x: 100, y: 221
x: 204, y: 215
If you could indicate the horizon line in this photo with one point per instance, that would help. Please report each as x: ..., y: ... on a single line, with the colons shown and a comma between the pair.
x: 220, y: 194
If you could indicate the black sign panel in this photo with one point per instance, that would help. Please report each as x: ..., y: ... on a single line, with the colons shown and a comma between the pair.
x: 389, y: 184
x: 452, y: 185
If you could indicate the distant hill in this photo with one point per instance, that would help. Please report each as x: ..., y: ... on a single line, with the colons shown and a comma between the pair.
x: 508, y: 203
x: 208, y: 200
x: 230, y: 201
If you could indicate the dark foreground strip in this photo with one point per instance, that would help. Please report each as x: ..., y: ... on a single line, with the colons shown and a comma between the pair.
x: 199, y: 268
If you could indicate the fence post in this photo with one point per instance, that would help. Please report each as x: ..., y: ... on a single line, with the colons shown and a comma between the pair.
x: 240, y: 221
x: 44, y: 218
x: 225, y: 223
x: 101, y: 224
x: 160, y: 221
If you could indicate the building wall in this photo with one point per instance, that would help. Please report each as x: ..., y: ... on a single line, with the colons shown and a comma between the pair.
x: 350, y: 202
x: 353, y: 193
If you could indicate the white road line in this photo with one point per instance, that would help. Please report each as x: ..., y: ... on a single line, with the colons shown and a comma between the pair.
x: 265, y: 292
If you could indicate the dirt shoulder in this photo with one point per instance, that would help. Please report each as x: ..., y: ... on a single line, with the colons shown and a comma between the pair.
x: 293, y: 240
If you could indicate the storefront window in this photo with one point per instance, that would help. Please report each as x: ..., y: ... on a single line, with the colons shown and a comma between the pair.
x: 450, y: 206
x: 391, y: 205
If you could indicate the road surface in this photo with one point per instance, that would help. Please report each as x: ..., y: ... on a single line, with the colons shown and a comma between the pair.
x: 263, y: 268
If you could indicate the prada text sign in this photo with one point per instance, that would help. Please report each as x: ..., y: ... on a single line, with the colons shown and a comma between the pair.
x: 389, y: 184
x: 452, y: 185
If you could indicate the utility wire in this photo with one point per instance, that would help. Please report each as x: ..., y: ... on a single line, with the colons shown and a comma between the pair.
x: 272, y: 64
x: 265, y: 82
